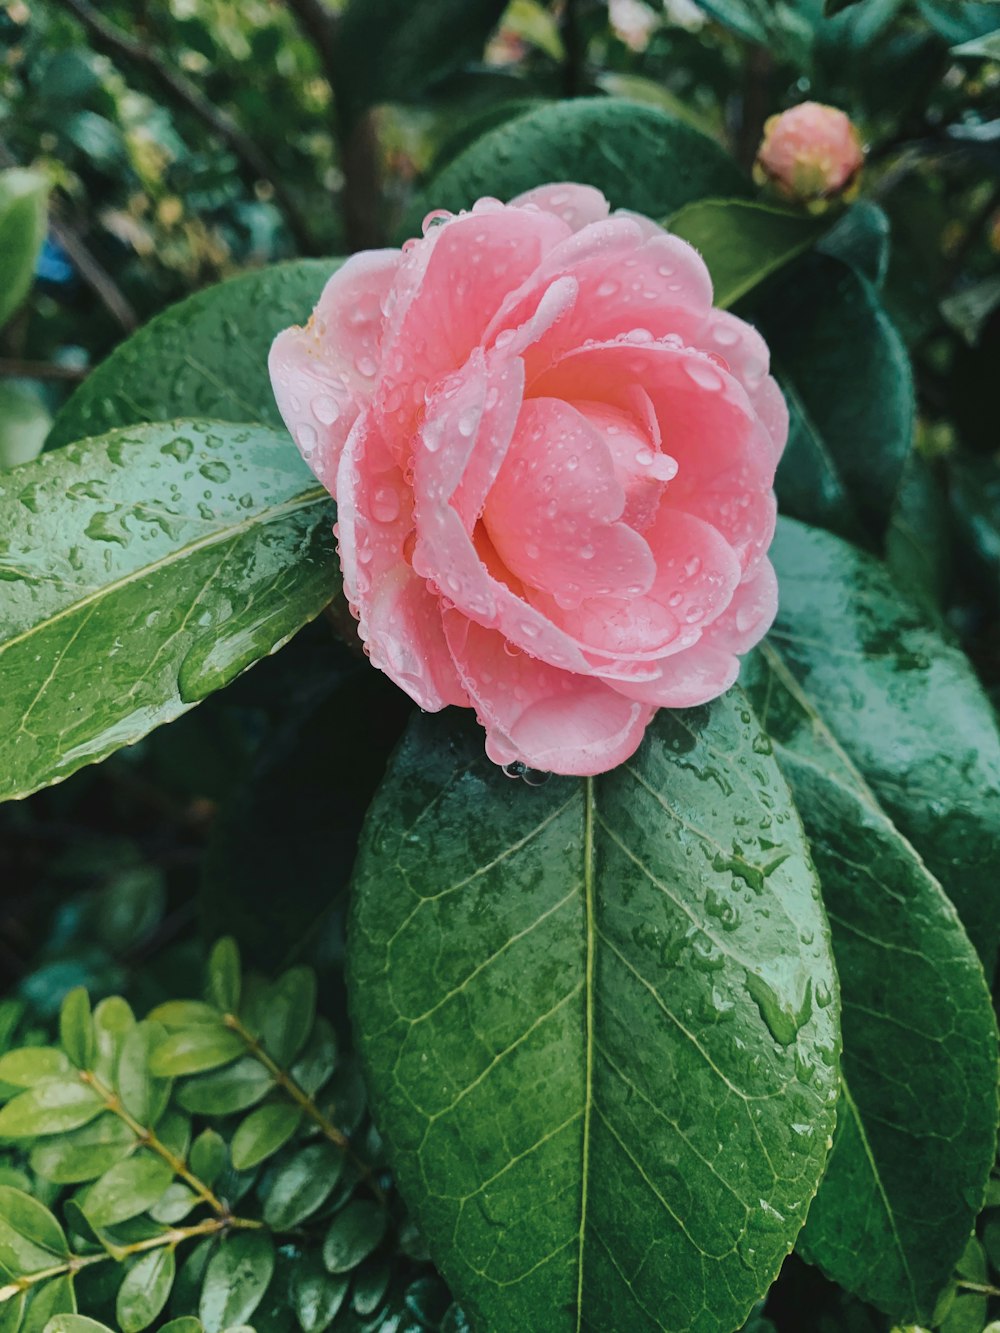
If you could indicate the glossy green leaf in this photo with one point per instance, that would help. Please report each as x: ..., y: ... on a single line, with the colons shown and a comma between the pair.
x: 235, y: 1088
x: 127, y: 1189
x: 54, y: 1107
x: 263, y: 1132
x: 236, y: 1278
x: 83, y: 1154
x: 54, y: 1298
x: 905, y: 706
x: 303, y: 1185
x: 74, y: 1323
x: 76, y: 1028
x: 143, y: 1095
x: 23, y: 213
x: 919, y: 1064
x: 194, y: 1050
x: 113, y: 1020
x: 186, y: 1324
x: 847, y: 380
x: 31, y: 1240
x: 318, y: 1059
x: 743, y: 242
x: 959, y: 20
x: 980, y: 48
x: 210, y: 354
x: 177, y: 1014
x: 353, y: 1234
x: 224, y: 976
x: 174, y: 1205
x: 918, y: 539
x: 598, y: 1019
x: 287, y: 1013
x: 145, y: 1290
x: 316, y: 1295
x: 209, y: 1156
x: 24, y: 424
x: 639, y: 157
x: 861, y: 238
x: 28, y: 1065
x: 142, y: 571
x: 385, y: 46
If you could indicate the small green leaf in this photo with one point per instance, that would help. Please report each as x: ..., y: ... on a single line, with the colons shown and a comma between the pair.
x: 303, y: 1185
x: 318, y: 1059
x: 174, y: 1014
x: 861, y: 238
x: 316, y: 1296
x: 113, y: 1019
x: 234, y: 1088
x: 75, y: 1323
x: 176, y: 1203
x: 743, y: 242
x: 224, y: 976
x: 142, y: 1094
x: 30, y: 1065
x: 31, y: 1240
x: 287, y: 1014
x: 194, y: 1050
x: 82, y: 1154
x: 980, y: 48
x: 263, y: 1132
x: 76, y: 1028
x: 186, y: 1324
x: 236, y: 1278
x: 186, y: 552
x: 145, y: 1290
x: 639, y: 157
x: 54, y: 1107
x: 209, y: 1156
x: 23, y: 214
x: 24, y: 424
x: 127, y: 1189
x: 371, y: 1281
x: 54, y: 1298
x: 354, y: 1233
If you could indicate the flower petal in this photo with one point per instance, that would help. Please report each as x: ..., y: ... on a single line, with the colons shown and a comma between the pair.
x: 749, y: 615
x: 576, y: 205
x: 696, y: 676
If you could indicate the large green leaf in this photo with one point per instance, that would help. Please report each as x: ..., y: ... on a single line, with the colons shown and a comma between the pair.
x: 599, y: 1023
x: 743, y: 242
x: 204, y: 357
x: 959, y: 20
x: 139, y: 572
x: 920, y: 1050
x: 387, y: 49
x: 23, y: 210
x: 847, y: 380
x: 639, y: 157
x: 905, y: 706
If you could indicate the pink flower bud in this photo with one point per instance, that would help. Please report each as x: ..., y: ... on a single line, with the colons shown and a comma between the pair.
x: 809, y: 153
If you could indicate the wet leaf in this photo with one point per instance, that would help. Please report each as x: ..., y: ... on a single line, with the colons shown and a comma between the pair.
x: 23, y: 212
x: 127, y: 1189
x: 236, y: 1278
x: 194, y: 1050
x: 31, y: 1240
x: 145, y: 1290
x: 141, y: 571
x: 54, y: 1107
x: 598, y: 1019
x: 263, y: 1132
x: 303, y: 1185
x: 354, y: 1233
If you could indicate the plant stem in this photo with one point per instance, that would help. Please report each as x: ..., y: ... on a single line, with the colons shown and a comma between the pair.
x: 302, y: 1099
x: 983, y: 1288
x: 148, y: 1139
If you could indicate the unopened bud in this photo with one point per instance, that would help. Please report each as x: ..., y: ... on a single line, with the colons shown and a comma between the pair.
x: 810, y: 154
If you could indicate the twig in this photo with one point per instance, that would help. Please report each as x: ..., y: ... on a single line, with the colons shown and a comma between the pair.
x: 14, y: 368
x: 114, y: 42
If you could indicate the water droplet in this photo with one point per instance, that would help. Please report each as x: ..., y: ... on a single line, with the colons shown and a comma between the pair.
x: 325, y: 409
x: 215, y: 470
x: 365, y: 365
x: 692, y: 566
x: 703, y: 373
x: 180, y: 449
x: 467, y: 422
x: 385, y: 505
x: 607, y: 288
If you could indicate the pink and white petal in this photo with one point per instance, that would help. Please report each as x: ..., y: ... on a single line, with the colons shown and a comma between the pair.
x: 745, y: 518
x: 323, y: 374
x: 549, y: 719
x: 696, y: 676
x: 553, y: 512
x: 748, y: 358
x: 749, y: 615
x: 576, y: 205
x: 620, y: 627
x: 697, y: 571
x: 399, y: 618
x: 448, y: 288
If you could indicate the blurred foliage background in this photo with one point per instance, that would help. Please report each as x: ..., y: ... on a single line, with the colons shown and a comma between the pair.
x: 186, y: 140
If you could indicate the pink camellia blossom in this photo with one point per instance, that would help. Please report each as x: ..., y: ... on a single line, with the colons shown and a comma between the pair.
x: 810, y: 153
x: 552, y: 461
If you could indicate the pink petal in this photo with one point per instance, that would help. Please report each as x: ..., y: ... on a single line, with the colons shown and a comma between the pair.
x: 576, y: 205
x: 696, y: 676
x: 749, y: 615
x: 553, y: 512
x: 399, y: 618
x: 748, y: 358
x: 697, y: 571
x: 548, y: 719
x: 323, y: 374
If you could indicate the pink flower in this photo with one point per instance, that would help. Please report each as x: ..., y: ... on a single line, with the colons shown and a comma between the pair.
x: 552, y: 461
x: 810, y: 153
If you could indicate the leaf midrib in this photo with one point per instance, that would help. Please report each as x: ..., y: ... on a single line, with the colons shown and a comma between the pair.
x: 303, y: 500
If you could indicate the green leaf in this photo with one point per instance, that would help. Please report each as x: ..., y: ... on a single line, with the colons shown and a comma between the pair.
x: 54, y: 1298
x: 209, y: 1156
x: 639, y: 157
x: 31, y: 1240
x: 847, y: 380
x: 194, y: 1050
x: 176, y: 1202
x: 861, y: 238
x: 50, y: 1108
x: 959, y: 20
x: 598, y: 1019
x: 918, y: 540
x: 142, y: 1094
x: 905, y: 706
x: 385, y: 46
x: 83, y: 1154
x: 318, y: 1060
x: 224, y: 976
x: 145, y: 1290
x: 235, y: 1088
x: 742, y: 242
x: 263, y: 1132
x: 316, y: 1295
x: 174, y: 1014
x: 980, y: 48
x: 209, y: 353
x: 186, y: 1324
x: 29, y: 1065
x: 919, y: 1064
x: 287, y: 1013
x: 75, y: 1323
x: 127, y: 1189
x: 236, y: 1278
x: 113, y: 1020
x: 76, y: 1028
x: 354, y: 1233
x: 143, y: 570
x: 23, y: 217
x: 24, y: 424
x: 303, y: 1185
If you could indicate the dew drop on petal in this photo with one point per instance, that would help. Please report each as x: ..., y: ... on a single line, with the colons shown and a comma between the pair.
x: 325, y: 409
x: 385, y: 505
x: 703, y: 373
